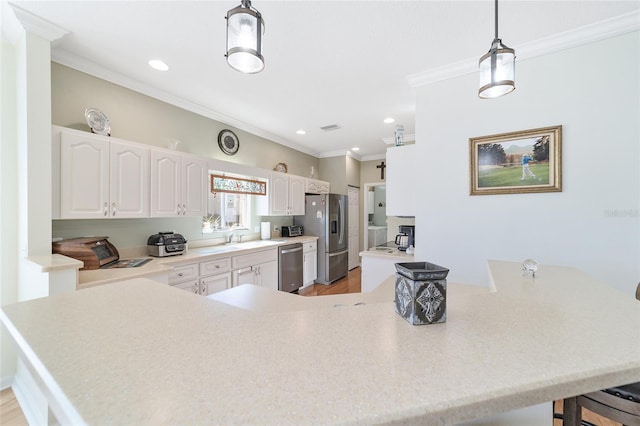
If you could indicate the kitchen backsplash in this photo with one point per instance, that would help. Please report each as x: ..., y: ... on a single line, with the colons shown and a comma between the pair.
x: 125, y: 233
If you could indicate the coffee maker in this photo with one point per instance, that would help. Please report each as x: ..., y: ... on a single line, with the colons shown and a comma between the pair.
x: 409, y: 231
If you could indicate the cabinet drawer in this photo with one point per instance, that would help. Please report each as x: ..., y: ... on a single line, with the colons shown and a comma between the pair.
x: 183, y: 273
x: 309, y: 246
x: 256, y: 258
x: 217, y: 266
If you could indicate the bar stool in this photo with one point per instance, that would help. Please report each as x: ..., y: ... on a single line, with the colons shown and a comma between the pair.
x: 620, y: 404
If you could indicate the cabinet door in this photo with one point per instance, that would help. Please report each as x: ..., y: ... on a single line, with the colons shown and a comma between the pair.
x: 244, y: 276
x: 401, y: 181
x: 354, y: 227
x: 84, y: 176
x: 166, y: 173
x: 279, y: 198
x: 129, y: 181
x: 194, y: 187
x: 215, y: 283
x: 296, y: 195
x: 267, y: 275
x: 310, y: 267
x: 191, y: 285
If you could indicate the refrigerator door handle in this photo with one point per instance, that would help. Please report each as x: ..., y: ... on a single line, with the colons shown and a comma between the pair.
x: 338, y: 253
x: 341, y: 239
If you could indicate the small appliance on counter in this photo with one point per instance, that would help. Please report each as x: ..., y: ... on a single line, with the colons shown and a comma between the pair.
x: 165, y: 244
x: 95, y: 252
x: 292, y: 231
x: 406, y: 237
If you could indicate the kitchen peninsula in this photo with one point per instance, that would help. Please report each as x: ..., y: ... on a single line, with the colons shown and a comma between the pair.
x: 139, y: 352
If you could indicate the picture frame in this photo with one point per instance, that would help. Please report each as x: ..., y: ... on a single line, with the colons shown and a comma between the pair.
x: 527, y: 161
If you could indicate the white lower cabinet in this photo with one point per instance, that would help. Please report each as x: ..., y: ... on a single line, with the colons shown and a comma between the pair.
x: 215, y: 283
x: 309, y: 262
x: 203, y: 278
x: 259, y: 268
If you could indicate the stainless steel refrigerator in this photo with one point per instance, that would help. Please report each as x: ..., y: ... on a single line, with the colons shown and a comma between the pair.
x: 326, y: 217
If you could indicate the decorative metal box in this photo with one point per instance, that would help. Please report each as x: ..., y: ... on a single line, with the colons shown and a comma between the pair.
x: 421, y: 292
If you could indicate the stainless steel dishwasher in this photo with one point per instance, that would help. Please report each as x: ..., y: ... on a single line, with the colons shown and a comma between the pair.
x: 290, y: 267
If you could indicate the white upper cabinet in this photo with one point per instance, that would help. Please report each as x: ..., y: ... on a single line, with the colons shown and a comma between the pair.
x: 129, y: 180
x: 401, y: 181
x: 285, y: 196
x: 178, y: 185
x: 315, y: 186
x: 194, y: 186
x: 101, y: 178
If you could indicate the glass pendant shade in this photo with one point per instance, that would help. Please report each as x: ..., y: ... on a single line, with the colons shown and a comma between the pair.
x: 245, y: 29
x: 497, y: 71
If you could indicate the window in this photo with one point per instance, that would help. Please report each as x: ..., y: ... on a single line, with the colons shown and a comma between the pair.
x: 230, y: 210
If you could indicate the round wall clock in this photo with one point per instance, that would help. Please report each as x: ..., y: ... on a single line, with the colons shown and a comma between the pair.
x: 228, y: 142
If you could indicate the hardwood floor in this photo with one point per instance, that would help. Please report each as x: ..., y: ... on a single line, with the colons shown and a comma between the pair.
x: 11, y: 414
x: 348, y: 284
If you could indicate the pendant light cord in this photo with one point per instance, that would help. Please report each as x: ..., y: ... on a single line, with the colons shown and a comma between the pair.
x: 496, y: 17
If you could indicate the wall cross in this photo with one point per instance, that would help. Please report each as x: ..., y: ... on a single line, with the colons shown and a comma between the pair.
x: 381, y: 166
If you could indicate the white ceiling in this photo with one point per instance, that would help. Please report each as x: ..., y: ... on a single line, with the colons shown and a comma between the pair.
x: 327, y: 62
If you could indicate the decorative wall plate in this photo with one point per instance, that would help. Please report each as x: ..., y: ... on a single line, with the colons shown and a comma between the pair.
x: 97, y: 121
x: 228, y: 142
x: 281, y: 167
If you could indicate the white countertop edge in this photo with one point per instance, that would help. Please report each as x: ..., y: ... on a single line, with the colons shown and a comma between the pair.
x: 55, y: 262
x: 92, y: 278
x: 385, y: 254
x: 58, y: 402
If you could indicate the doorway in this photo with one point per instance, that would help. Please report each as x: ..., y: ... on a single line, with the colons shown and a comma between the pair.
x: 374, y: 215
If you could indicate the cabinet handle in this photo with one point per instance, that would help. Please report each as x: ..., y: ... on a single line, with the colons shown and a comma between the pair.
x: 184, y: 210
x: 106, y: 209
x: 217, y: 266
x: 178, y: 209
x: 180, y: 274
x: 114, y: 209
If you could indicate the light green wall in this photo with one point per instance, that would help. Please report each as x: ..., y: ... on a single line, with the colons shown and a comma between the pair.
x: 333, y: 170
x: 140, y: 118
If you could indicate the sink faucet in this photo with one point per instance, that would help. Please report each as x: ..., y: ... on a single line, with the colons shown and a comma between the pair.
x: 239, y: 236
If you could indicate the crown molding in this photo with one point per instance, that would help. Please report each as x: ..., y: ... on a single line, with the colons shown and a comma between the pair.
x: 81, y: 64
x: 602, y: 30
x: 339, y: 153
x: 36, y: 25
x: 374, y: 157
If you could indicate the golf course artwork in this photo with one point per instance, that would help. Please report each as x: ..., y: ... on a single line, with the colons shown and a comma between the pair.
x: 518, y: 162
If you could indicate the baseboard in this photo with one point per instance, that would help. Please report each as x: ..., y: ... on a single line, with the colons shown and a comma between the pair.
x: 32, y: 402
x: 6, y: 382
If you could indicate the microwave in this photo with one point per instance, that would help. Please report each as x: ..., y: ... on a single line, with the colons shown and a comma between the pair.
x: 292, y: 231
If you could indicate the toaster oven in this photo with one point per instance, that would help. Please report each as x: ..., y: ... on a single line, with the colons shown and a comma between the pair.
x: 292, y: 231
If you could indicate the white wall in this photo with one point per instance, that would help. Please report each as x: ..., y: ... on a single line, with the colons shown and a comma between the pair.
x: 593, y: 91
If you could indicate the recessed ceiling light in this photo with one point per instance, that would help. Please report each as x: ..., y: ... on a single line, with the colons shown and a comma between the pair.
x: 301, y: 132
x: 389, y: 120
x: 157, y: 64
x: 355, y: 148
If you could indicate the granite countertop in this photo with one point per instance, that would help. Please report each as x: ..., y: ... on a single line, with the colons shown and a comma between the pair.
x: 159, y: 265
x: 139, y: 352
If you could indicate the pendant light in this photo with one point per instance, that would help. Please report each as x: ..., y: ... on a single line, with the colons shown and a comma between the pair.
x: 497, y: 68
x: 245, y: 28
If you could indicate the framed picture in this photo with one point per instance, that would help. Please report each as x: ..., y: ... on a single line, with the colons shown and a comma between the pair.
x: 517, y: 162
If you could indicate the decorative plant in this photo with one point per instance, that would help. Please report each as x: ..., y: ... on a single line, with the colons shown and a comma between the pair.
x: 213, y: 219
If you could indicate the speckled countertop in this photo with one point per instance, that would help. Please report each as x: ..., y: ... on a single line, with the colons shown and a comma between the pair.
x: 139, y: 352
x: 92, y: 278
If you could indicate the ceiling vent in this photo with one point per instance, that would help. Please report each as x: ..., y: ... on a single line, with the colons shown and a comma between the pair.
x: 330, y: 127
